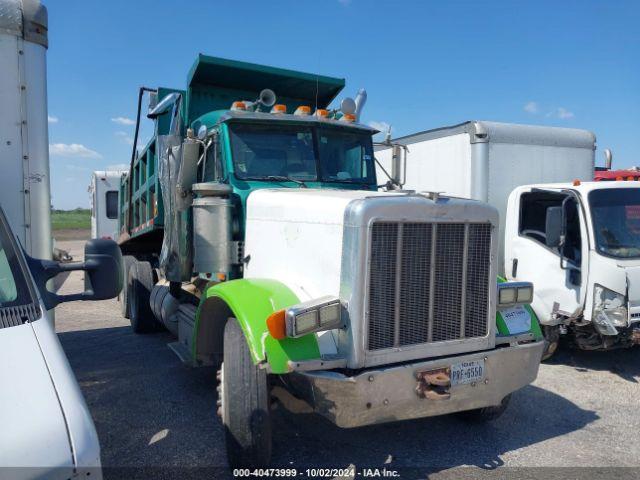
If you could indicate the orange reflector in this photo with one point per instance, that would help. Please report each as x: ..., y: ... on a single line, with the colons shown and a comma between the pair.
x: 279, y: 108
x: 276, y: 325
x: 321, y: 112
x: 221, y: 277
x: 238, y: 106
x: 349, y: 117
x: 576, y: 183
x: 303, y: 110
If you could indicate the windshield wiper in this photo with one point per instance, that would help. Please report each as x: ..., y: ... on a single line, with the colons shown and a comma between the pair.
x: 284, y: 178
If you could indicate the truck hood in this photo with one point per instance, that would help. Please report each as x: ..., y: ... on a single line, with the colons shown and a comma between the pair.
x: 33, y: 430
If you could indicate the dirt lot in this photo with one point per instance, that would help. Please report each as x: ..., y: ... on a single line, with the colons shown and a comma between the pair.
x: 156, y: 418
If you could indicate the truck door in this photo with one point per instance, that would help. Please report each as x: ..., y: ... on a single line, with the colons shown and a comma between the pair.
x: 557, y: 273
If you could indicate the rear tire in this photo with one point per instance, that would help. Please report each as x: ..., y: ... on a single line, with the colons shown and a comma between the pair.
x: 551, y: 341
x: 486, y: 414
x: 123, y: 298
x: 140, y: 314
x: 244, y: 403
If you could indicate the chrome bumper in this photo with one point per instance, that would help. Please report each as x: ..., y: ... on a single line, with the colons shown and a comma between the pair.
x: 389, y: 394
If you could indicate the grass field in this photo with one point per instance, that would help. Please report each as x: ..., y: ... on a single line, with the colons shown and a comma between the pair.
x: 78, y: 219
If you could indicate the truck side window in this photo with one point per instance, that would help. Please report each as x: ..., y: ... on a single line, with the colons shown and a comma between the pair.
x: 533, y: 215
x: 111, y: 198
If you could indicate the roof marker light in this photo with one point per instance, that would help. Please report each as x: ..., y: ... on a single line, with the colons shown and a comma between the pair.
x: 303, y: 110
x: 322, y: 113
x: 576, y: 183
x: 348, y: 117
x: 279, y: 108
x: 238, y: 105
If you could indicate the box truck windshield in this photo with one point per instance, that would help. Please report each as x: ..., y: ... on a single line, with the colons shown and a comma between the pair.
x: 262, y: 152
x: 616, y: 221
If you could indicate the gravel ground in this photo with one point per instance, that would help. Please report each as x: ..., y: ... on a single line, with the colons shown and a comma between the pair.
x: 156, y: 418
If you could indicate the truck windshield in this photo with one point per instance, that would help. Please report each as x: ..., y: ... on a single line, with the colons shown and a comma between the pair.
x: 616, y: 221
x: 271, y: 152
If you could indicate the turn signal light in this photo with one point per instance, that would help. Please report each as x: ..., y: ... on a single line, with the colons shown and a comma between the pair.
x: 279, y: 108
x: 277, y: 325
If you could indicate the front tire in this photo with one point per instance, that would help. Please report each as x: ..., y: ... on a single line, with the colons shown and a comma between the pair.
x: 486, y: 414
x: 140, y: 314
x: 244, y: 403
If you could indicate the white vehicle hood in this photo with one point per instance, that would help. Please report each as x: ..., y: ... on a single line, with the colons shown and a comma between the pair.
x: 33, y: 431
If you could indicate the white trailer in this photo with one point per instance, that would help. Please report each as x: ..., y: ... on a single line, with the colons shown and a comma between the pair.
x: 24, y: 136
x: 577, y: 240
x: 486, y: 160
x: 104, y: 190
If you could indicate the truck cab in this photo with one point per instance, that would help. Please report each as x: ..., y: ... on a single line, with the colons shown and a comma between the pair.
x: 254, y: 230
x: 47, y: 430
x: 579, y: 243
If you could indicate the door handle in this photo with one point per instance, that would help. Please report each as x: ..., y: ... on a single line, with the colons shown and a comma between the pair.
x: 514, y: 268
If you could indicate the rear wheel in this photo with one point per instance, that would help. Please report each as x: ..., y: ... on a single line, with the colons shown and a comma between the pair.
x: 243, y: 397
x: 551, y: 340
x: 123, y: 297
x: 140, y: 314
x: 486, y: 414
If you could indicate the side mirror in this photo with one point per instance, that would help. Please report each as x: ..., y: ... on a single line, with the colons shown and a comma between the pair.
x: 553, y: 226
x: 163, y: 106
x: 103, y: 273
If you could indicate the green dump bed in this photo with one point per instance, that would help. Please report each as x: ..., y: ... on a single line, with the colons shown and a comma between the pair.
x: 213, y: 84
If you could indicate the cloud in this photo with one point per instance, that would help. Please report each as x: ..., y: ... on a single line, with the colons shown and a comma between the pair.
x: 125, y: 137
x: 382, y: 126
x: 531, y: 107
x: 123, y: 121
x: 564, y: 114
x: 118, y: 166
x: 52, y: 119
x: 74, y: 150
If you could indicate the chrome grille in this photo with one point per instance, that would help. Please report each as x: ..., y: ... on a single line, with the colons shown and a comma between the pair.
x: 428, y: 282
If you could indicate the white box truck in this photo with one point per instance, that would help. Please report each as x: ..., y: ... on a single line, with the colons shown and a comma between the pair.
x: 105, y: 190
x: 577, y: 240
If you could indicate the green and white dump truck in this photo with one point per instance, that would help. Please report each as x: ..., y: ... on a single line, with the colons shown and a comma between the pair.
x: 254, y: 229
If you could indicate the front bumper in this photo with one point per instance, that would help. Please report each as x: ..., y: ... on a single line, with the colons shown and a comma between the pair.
x: 389, y: 394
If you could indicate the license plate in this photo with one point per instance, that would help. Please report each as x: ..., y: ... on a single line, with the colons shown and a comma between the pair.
x: 467, y: 372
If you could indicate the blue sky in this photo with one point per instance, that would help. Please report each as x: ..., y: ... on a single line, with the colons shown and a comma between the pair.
x: 424, y: 64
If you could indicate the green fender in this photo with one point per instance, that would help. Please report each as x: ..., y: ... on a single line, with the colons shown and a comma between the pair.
x: 251, y: 301
x: 502, y: 326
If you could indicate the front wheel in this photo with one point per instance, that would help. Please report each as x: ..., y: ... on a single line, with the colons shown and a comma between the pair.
x: 244, y: 403
x: 486, y: 414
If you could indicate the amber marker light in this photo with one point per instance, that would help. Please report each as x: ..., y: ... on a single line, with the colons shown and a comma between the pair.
x: 321, y: 112
x: 277, y: 325
x: 279, y: 108
x: 576, y: 183
x: 238, y: 106
x: 303, y: 110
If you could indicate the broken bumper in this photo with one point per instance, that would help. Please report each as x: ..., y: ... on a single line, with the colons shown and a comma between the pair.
x: 390, y: 394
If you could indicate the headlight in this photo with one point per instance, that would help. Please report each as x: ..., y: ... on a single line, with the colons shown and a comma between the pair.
x: 609, y: 310
x: 514, y: 293
x: 313, y: 316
